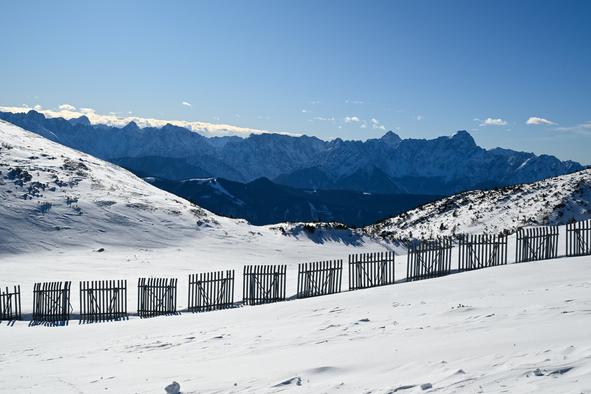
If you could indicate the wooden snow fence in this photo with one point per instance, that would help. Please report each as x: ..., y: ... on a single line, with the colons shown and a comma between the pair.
x: 51, y: 302
x: 428, y: 259
x: 102, y: 300
x: 481, y: 251
x: 578, y: 238
x: 319, y: 278
x: 10, y: 304
x: 211, y: 291
x: 536, y: 243
x: 263, y: 284
x: 156, y: 296
x: 371, y: 270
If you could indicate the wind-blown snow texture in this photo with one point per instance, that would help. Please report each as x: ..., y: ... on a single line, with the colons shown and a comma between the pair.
x: 548, y: 202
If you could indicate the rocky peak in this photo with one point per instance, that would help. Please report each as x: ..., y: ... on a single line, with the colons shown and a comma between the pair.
x: 391, y: 138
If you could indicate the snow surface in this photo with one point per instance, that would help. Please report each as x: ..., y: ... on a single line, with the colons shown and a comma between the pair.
x: 521, y: 328
x: 515, y: 328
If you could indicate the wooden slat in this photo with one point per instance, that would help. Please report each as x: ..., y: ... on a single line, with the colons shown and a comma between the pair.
x: 428, y: 258
x: 103, y: 300
x: 263, y: 284
x: 537, y: 243
x: 156, y: 296
x: 371, y: 270
x: 319, y: 278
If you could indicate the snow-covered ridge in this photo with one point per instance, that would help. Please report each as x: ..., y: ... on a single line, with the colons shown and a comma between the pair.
x: 555, y: 200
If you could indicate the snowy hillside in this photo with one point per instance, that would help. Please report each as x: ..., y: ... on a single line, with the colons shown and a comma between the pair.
x: 521, y: 328
x: 52, y: 195
x: 551, y: 201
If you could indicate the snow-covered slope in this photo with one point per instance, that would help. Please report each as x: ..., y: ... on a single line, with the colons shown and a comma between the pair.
x: 52, y: 195
x: 521, y: 328
x: 550, y: 201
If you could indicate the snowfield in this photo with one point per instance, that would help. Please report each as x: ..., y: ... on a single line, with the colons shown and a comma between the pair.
x: 64, y: 215
x: 520, y: 328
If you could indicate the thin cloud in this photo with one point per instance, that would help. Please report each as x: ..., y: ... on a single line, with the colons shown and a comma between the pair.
x: 323, y: 119
x: 186, y: 104
x: 376, y: 124
x: 67, y: 107
x: 352, y: 119
x: 581, y: 128
x: 354, y: 102
x: 534, y: 120
x: 419, y: 117
x: 493, y: 122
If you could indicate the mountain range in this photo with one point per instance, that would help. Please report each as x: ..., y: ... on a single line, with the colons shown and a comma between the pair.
x: 440, y: 166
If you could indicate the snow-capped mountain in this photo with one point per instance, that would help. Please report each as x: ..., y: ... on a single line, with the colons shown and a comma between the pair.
x: 389, y: 164
x: 551, y: 201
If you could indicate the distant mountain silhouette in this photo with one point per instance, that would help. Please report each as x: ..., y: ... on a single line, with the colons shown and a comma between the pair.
x: 440, y: 166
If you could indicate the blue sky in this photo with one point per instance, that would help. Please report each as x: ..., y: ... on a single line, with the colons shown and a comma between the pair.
x: 350, y: 69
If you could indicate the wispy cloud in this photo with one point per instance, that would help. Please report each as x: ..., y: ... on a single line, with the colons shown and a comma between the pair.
x: 581, y: 128
x: 375, y: 124
x: 493, y: 122
x: 419, y: 117
x: 67, y: 107
x: 352, y: 119
x: 120, y: 121
x: 534, y: 120
x: 354, y: 102
x: 186, y: 104
x: 324, y: 119
x: 305, y: 111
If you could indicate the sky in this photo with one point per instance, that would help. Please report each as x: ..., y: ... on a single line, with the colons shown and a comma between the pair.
x: 515, y: 74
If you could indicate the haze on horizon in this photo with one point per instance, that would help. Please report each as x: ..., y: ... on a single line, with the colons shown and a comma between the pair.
x: 514, y: 74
